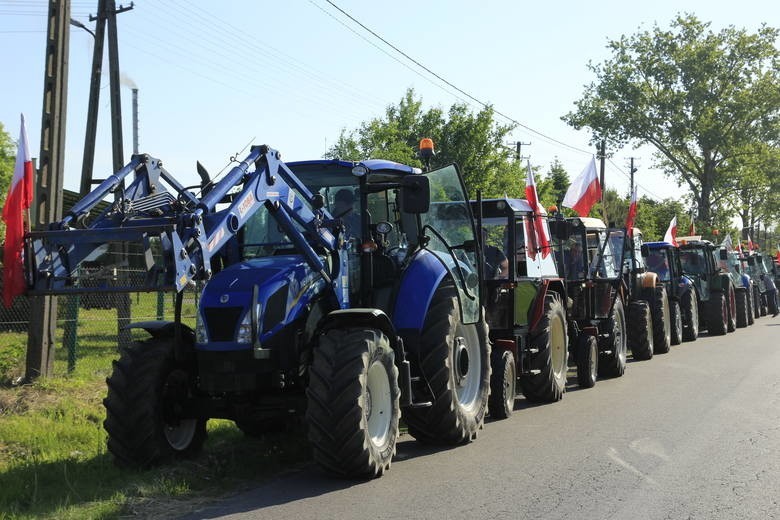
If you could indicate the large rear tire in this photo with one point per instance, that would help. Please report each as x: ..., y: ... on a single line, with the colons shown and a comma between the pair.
x: 613, y: 364
x: 145, y: 391
x: 455, y: 361
x: 756, y: 302
x: 662, y: 322
x: 587, y: 360
x: 690, y: 316
x: 353, y: 403
x: 640, y: 335
x: 717, y: 314
x: 742, y: 300
x: 549, y: 364
x: 675, y: 314
x: 503, y: 385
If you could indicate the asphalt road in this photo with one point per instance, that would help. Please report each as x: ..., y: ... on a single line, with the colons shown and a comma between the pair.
x: 693, y: 434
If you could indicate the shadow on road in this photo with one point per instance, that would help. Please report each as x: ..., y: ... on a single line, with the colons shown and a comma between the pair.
x: 308, y: 482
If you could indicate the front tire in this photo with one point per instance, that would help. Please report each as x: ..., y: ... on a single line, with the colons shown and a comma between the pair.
x: 731, y: 323
x: 145, y: 391
x: 675, y: 314
x: 690, y: 316
x: 742, y: 300
x: 717, y: 314
x: 587, y: 361
x: 614, y: 363
x: 662, y: 333
x: 640, y: 335
x: 455, y: 361
x: 503, y: 381
x: 550, y: 363
x: 353, y: 403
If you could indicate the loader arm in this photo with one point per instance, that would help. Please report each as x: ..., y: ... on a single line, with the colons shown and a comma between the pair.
x: 179, y: 233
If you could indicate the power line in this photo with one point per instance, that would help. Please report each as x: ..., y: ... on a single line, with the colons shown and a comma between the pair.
x: 450, y: 84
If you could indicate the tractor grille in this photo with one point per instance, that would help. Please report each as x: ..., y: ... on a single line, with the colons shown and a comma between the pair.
x: 222, y: 322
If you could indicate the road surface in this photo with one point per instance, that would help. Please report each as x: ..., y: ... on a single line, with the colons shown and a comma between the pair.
x: 692, y: 434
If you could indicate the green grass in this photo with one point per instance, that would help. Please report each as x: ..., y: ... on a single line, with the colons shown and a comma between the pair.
x: 53, y: 457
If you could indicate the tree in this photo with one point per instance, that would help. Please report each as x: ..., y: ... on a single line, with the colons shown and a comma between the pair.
x: 7, y: 160
x: 700, y: 98
x: 554, y: 185
x: 473, y: 141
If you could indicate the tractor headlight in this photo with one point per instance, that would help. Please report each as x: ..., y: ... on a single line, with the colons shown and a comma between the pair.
x: 201, y: 336
x: 248, y: 326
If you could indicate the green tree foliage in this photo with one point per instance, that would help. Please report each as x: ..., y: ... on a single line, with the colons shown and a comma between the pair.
x: 7, y: 160
x: 474, y: 141
x: 701, y: 98
x: 553, y: 186
x: 755, y: 186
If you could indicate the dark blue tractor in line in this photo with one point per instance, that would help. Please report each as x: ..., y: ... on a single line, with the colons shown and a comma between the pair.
x: 663, y: 259
x: 348, y: 290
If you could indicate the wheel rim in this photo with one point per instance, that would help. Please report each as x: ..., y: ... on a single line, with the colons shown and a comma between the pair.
x: 694, y: 314
x: 466, y: 369
x: 620, y: 340
x: 678, y: 324
x: 594, y: 355
x: 667, y: 320
x: 180, y: 436
x: 509, y: 385
x: 732, y: 305
x: 379, y: 404
x: 724, y: 310
x: 558, y: 346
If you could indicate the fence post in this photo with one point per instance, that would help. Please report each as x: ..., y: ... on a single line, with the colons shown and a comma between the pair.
x: 70, y: 332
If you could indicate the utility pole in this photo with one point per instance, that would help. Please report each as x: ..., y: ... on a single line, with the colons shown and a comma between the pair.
x: 48, y: 189
x: 106, y: 13
x: 602, y: 153
x: 518, y: 149
x: 633, y: 171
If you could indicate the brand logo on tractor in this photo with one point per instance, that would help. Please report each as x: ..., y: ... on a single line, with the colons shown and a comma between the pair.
x: 224, y: 298
x: 246, y: 204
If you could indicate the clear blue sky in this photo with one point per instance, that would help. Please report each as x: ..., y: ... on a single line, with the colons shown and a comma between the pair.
x: 292, y: 74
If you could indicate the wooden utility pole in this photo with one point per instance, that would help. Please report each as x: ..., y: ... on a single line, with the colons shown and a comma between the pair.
x: 48, y: 193
x: 633, y: 171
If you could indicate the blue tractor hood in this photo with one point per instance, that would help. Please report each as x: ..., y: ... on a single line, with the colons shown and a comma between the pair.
x: 285, y: 285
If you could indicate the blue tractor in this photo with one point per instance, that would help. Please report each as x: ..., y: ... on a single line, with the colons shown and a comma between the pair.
x: 348, y: 290
x: 663, y: 259
x: 744, y: 285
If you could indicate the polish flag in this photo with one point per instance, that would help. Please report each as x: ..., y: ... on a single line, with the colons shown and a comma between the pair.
x: 539, y: 240
x: 671, y: 233
x: 584, y: 191
x: 631, y: 215
x: 751, y: 245
x: 16, y: 204
x: 692, y: 227
x: 727, y: 243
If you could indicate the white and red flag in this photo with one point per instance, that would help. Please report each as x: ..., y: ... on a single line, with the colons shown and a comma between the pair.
x: 751, y: 245
x: 537, y: 232
x: 16, y: 204
x: 727, y: 243
x: 631, y: 215
x: 671, y: 232
x: 584, y: 191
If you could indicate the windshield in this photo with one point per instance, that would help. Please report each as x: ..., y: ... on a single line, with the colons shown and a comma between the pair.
x: 262, y: 236
x: 658, y: 262
x: 693, y: 262
x: 449, y: 217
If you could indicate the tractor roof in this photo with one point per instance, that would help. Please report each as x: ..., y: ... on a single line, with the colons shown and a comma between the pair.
x: 659, y: 245
x: 693, y: 241
x: 513, y: 205
x: 371, y: 165
x: 589, y: 222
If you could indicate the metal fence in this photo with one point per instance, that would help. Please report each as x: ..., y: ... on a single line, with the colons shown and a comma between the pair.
x: 88, y: 328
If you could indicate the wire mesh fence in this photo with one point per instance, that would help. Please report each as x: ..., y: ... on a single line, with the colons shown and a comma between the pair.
x: 88, y: 327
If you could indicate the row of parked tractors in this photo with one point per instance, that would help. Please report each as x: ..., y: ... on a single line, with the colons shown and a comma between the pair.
x: 359, y: 296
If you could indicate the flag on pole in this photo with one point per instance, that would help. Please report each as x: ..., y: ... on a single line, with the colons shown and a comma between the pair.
x: 727, y: 243
x: 631, y: 215
x: 536, y: 231
x: 16, y: 204
x: 751, y: 245
x: 671, y: 232
x: 692, y: 227
x: 584, y: 191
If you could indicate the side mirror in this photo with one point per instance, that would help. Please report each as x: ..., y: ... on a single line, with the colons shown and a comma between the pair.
x: 724, y: 255
x: 415, y: 194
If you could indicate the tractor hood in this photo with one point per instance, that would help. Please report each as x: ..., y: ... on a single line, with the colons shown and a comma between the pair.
x: 285, y: 285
